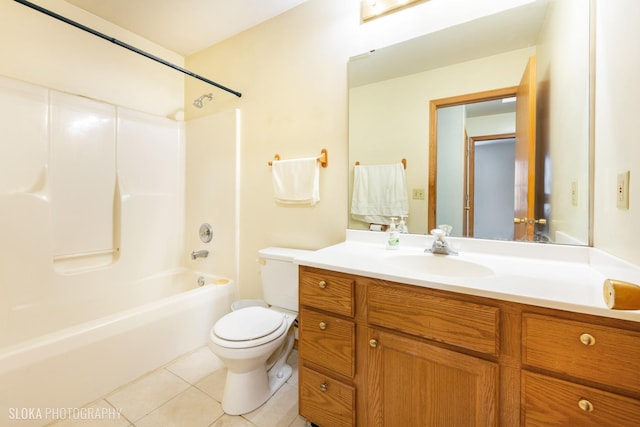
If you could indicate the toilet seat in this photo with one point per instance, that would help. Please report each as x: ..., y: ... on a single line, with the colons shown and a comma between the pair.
x: 249, y: 327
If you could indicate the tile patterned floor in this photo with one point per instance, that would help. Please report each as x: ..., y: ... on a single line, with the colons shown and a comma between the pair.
x: 187, y: 393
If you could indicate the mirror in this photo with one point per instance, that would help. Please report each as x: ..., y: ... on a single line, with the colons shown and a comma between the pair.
x: 398, y: 96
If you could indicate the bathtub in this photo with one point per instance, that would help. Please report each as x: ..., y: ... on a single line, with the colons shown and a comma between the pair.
x: 77, y: 365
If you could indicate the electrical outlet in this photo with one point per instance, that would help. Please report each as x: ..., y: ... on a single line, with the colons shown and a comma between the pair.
x: 574, y: 193
x: 622, y: 191
x: 418, y: 194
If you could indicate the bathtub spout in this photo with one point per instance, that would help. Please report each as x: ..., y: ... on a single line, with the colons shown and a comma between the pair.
x: 199, y: 254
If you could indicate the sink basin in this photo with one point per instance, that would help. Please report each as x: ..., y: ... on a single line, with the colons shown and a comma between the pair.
x: 440, y: 265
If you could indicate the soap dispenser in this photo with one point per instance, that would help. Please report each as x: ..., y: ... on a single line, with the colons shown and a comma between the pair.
x: 402, y: 226
x: 393, y: 237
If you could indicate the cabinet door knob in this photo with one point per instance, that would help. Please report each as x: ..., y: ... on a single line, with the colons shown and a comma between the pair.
x: 323, y: 325
x: 322, y: 284
x: 587, y: 339
x: 585, y: 405
x: 323, y: 387
x: 373, y: 343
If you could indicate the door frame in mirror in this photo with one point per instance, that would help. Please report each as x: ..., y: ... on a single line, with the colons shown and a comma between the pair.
x: 434, y: 105
x: 468, y: 229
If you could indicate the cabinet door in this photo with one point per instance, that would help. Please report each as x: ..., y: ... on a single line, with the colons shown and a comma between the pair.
x: 412, y: 383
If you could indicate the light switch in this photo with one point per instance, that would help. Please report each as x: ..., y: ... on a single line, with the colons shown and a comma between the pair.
x: 418, y: 194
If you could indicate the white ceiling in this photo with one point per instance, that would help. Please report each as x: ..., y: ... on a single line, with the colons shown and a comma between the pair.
x: 186, y: 26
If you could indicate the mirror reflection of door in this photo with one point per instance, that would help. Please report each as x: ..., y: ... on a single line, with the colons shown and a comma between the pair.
x: 489, y: 187
x: 453, y: 190
x: 525, y: 179
x: 453, y: 199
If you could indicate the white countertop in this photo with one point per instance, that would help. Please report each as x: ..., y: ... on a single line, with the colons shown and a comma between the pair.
x: 554, y: 276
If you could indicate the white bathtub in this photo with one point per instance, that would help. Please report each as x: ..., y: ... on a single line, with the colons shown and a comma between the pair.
x: 79, y: 364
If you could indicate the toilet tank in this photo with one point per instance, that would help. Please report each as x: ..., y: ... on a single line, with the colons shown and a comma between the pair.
x: 280, y: 276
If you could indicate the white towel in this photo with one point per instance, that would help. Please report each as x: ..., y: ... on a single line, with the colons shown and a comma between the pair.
x: 296, y: 181
x: 379, y: 192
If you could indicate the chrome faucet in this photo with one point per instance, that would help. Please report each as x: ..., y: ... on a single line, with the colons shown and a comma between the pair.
x: 440, y: 245
x: 199, y: 254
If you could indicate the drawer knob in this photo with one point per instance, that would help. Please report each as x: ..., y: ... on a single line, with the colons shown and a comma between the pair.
x: 585, y: 405
x: 322, y: 284
x: 323, y: 387
x: 373, y: 343
x: 587, y: 339
x: 323, y: 325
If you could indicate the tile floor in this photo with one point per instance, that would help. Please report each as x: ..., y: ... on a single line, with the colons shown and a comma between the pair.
x: 187, y: 393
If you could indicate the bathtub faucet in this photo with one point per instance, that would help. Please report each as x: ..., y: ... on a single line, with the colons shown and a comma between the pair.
x: 199, y: 254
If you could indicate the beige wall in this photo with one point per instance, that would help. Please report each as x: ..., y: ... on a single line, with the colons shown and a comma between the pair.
x: 563, y: 55
x: 617, y: 150
x: 292, y: 73
x: 38, y: 49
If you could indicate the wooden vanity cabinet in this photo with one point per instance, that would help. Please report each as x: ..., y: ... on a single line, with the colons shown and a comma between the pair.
x: 375, y: 353
x: 379, y: 353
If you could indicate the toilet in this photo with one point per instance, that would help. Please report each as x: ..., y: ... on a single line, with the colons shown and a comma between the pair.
x: 256, y: 337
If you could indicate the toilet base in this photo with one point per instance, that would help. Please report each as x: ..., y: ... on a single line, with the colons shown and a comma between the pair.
x: 244, y: 392
x: 249, y: 385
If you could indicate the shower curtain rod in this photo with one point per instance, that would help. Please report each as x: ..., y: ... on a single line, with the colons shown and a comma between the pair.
x: 125, y: 45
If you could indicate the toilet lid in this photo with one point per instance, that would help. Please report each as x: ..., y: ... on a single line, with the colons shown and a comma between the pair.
x: 249, y: 324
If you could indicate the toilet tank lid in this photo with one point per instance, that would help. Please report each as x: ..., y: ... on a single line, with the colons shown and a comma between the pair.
x: 281, y: 254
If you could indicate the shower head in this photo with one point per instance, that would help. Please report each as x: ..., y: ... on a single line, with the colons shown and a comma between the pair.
x: 198, y: 102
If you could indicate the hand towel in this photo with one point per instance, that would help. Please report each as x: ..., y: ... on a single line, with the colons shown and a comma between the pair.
x: 379, y: 192
x: 296, y: 181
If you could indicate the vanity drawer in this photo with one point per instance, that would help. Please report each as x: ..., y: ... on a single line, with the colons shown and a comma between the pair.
x: 583, y: 350
x: 325, y: 401
x: 327, y: 291
x: 551, y: 402
x: 328, y: 341
x: 415, y: 311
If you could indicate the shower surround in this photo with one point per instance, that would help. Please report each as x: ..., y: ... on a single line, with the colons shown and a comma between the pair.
x: 91, y: 196
x: 92, y: 209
